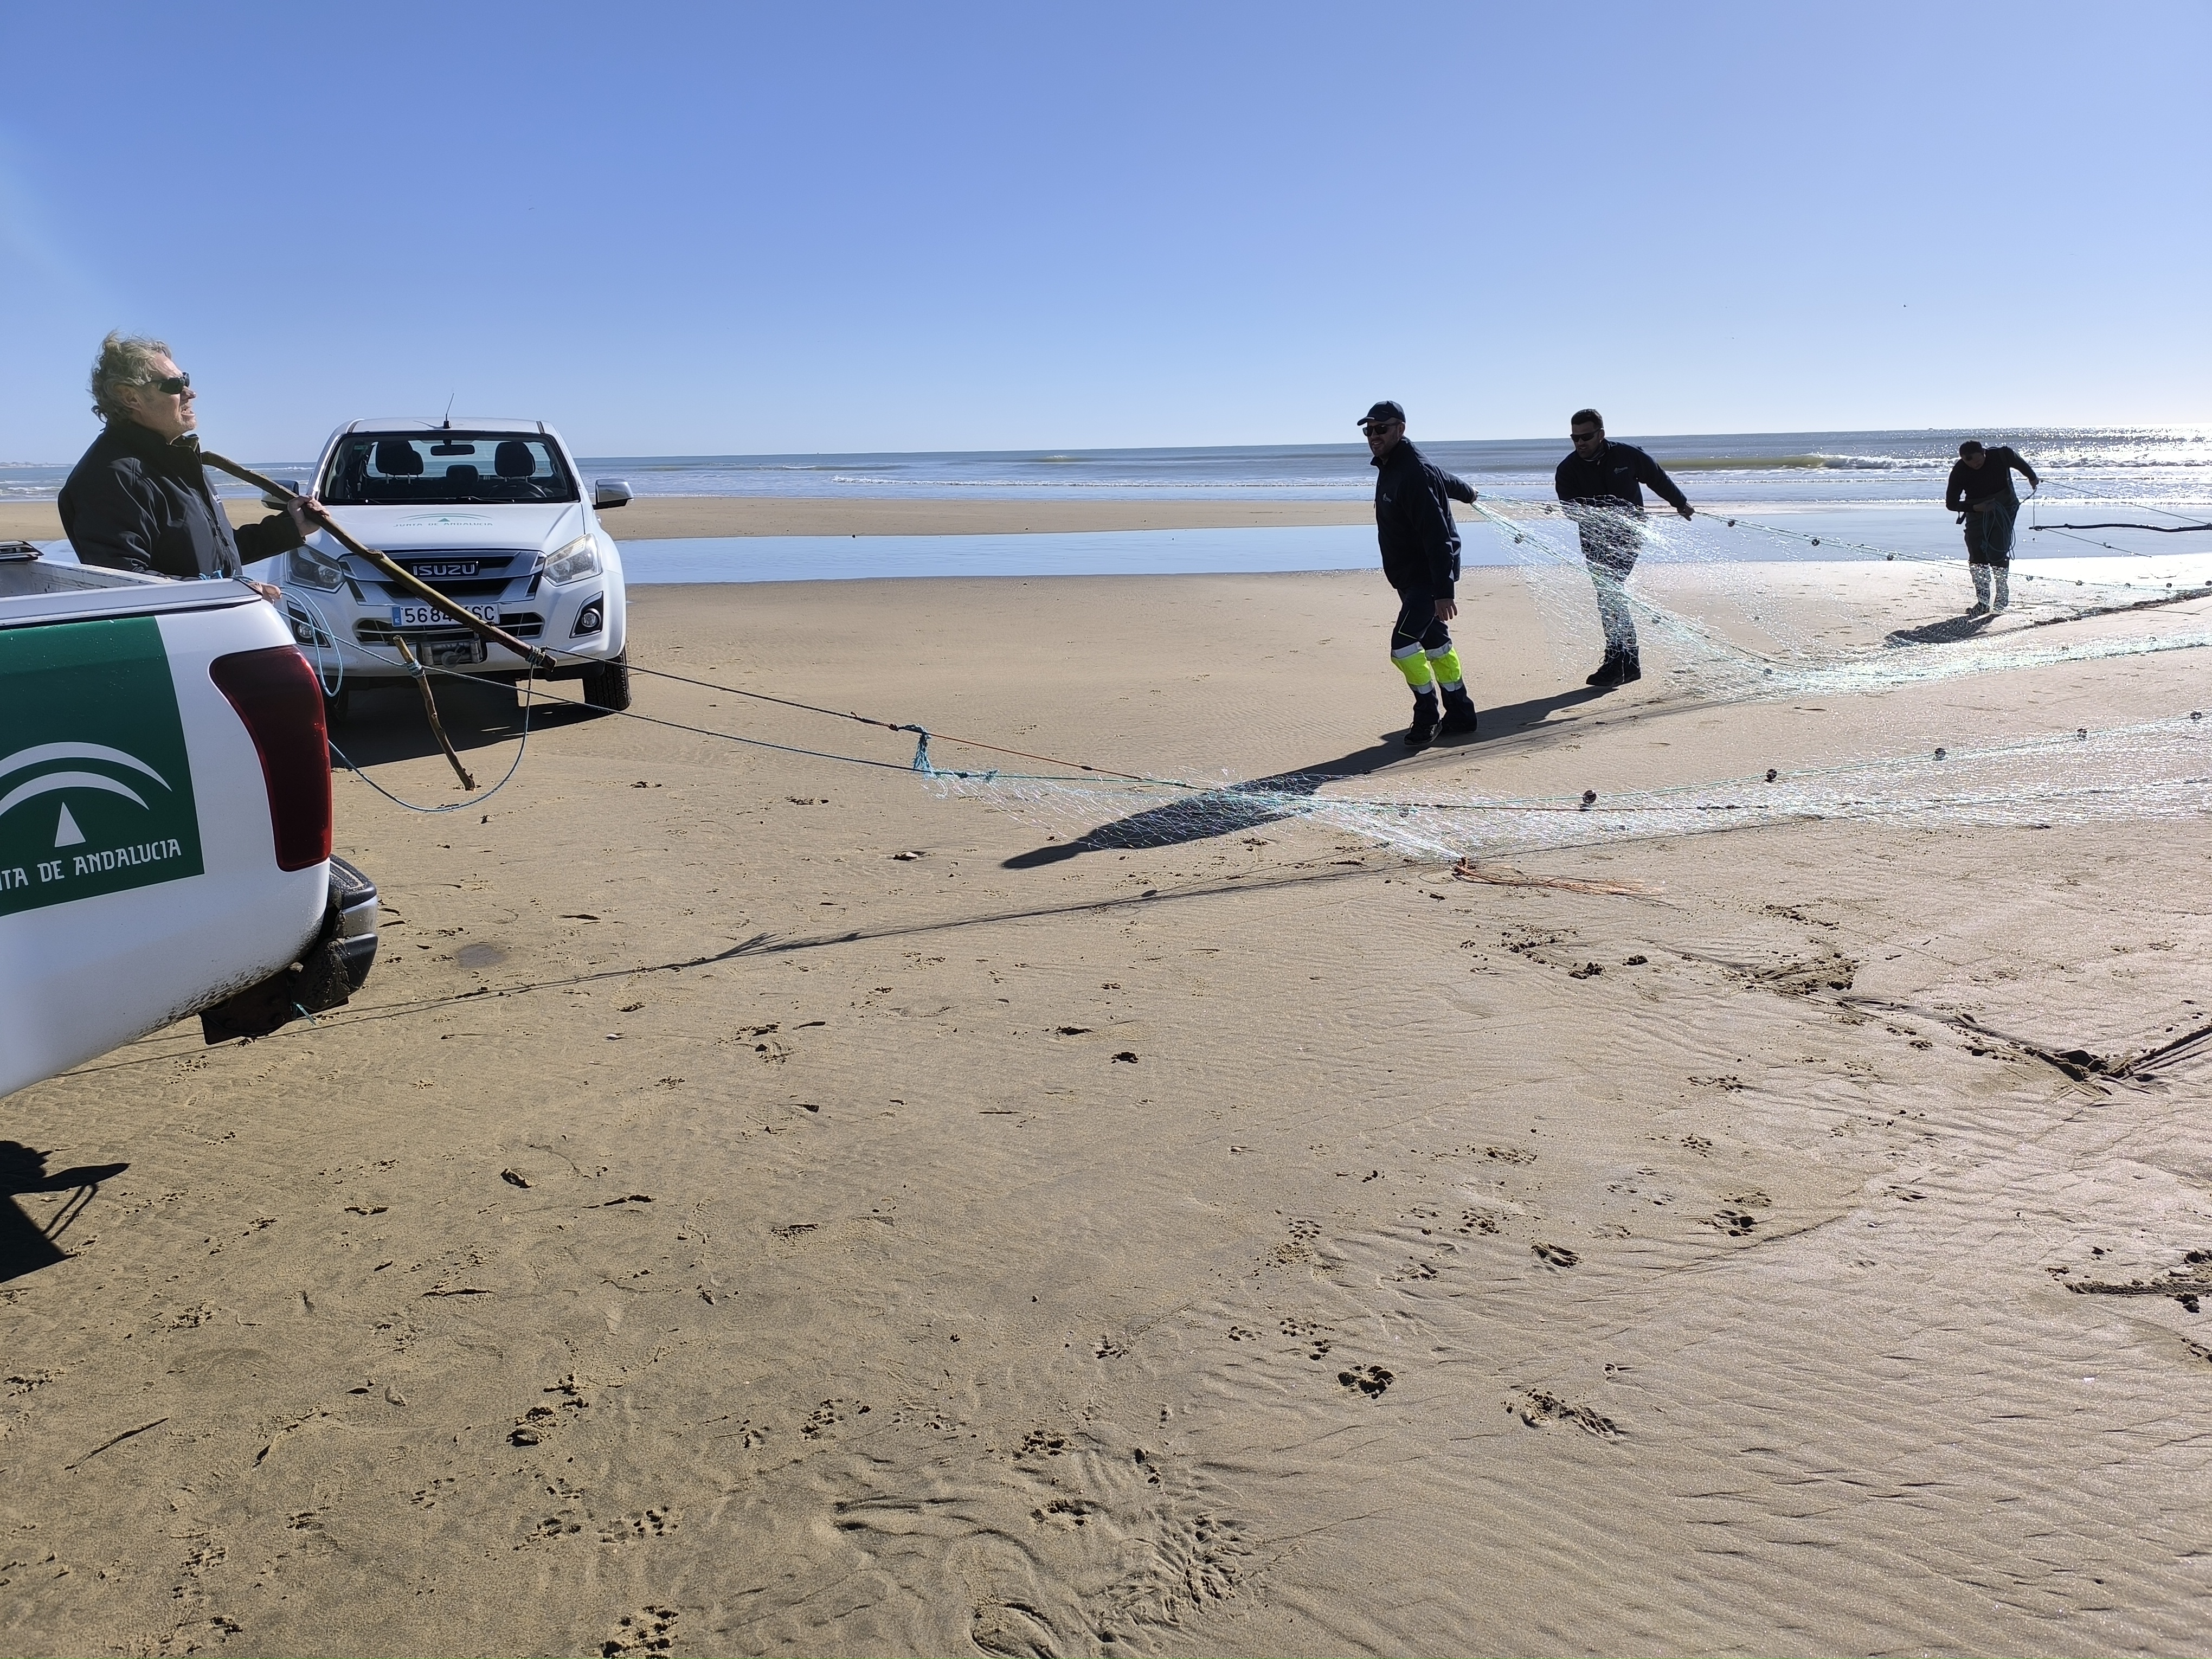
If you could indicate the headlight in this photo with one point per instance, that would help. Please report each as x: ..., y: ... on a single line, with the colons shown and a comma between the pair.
x: 310, y: 569
x: 579, y: 559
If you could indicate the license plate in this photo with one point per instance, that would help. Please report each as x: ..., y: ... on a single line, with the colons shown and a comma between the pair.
x: 429, y: 616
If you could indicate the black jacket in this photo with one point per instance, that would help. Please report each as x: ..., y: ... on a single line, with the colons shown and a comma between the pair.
x: 1970, y: 486
x: 138, y: 502
x: 1613, y: 477
x: 1413, y: 521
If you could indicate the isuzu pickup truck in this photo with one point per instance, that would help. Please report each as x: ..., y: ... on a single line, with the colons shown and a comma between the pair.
x: 492, y: 515
x: 165, y: 818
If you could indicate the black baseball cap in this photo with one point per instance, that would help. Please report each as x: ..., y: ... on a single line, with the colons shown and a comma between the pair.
x: 1385, y: 410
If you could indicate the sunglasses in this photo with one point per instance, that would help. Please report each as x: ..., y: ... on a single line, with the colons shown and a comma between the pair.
x: 1585, y: 437
x: 174, y: 386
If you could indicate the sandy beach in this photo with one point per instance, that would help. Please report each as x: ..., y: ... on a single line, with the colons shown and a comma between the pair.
x: 655, y: 517
x: 760, y: 1203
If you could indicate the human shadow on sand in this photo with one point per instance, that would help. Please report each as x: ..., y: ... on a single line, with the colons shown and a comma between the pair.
x: 1951, y: 631
x: 25, y: 1246
x: 1235, y: 808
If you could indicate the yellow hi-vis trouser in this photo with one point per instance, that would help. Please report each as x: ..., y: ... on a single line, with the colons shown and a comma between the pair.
x: 1414, y: 663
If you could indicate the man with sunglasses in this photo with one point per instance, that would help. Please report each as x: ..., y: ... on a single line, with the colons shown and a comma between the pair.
x: 1420, y: 559
x: 139, y: 499
x: 1602, y: 484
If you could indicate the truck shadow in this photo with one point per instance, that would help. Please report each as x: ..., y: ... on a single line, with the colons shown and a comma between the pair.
x: 1203, y: 814
x: 25, y: 1246
x: 385, y: 723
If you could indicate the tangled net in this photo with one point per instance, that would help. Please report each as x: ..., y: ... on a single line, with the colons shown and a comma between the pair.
x: 2162, y: 768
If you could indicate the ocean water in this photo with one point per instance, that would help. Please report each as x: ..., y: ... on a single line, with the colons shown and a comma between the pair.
x: 2169, y: 466
x: 1880, y: 489
x: 2172, y: 466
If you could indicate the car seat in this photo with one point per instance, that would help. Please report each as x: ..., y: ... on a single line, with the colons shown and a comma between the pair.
x: 514, y: 459
x: 398, y: 458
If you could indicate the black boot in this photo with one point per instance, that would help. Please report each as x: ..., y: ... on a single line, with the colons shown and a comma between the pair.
x: 1423, y: 731
x: 1606, y: 670
x: 1630, y: 667
x: 1459, y: 713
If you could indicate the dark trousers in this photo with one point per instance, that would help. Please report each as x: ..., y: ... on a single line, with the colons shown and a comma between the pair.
x: 1988, y: 533
x: 1609, y: 552
x: 1418, y: 623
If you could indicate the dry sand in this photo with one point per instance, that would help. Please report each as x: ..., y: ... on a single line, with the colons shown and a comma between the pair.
x: 652, y: 518
x: 744, y: 1213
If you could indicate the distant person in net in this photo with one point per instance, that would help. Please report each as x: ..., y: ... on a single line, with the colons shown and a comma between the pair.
x: 1980, y: 492
x: 139, y: 499
x: 1420, y: 559
x: 1602, y: 485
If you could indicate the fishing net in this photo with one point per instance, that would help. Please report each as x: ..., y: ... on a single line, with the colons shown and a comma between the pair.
x: 1719, y: 612
x: 1732, y: 635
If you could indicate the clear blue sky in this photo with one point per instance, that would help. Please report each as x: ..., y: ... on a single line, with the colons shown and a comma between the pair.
x: 715, y: 229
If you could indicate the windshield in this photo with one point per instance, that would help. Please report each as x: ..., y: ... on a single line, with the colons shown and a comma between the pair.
x: 441, y: 468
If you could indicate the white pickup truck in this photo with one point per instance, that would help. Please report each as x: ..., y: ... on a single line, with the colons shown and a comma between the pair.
x: 489, y: 512
x: 165, y: 818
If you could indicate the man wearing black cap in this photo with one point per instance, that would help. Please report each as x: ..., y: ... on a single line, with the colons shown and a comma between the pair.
x: 1602, y: 484
x: 1980, y: 492
x: 1420, y: 559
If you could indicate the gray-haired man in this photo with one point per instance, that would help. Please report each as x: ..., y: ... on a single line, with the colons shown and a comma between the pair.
x: 138, y: 500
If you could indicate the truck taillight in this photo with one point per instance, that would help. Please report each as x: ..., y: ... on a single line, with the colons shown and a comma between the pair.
x: 276, y: 694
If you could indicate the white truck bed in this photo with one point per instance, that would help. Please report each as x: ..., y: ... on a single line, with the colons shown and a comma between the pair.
x: 141, y: 874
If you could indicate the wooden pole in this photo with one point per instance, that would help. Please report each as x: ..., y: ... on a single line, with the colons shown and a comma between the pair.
x: 405, y: 580
x: 430, y: 707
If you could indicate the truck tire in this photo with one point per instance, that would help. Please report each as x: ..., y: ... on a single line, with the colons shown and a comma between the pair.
x: 607, y: 686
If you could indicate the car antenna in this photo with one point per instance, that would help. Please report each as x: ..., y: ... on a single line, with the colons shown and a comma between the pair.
x: 447, y: 424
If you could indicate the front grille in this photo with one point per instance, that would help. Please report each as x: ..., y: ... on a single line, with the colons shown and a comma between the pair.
x: 461, y: 575
x: 372, y: 630
x: 478, y: 589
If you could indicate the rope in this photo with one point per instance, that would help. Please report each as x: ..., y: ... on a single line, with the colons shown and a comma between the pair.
x: 1077, y: 772
x: 530, y: 687
x: 921, y: 757
x: 920, y: 762
x: 2155, y: 529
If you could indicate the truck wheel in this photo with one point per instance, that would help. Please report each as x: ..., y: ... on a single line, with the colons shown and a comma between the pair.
x: 607, y: 686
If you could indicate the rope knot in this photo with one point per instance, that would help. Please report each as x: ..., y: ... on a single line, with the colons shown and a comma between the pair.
x: 921, y: 761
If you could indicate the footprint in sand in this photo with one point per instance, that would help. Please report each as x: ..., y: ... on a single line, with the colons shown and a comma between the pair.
x: 645, y: 1523
x: 652, y: 1630
x: 828, y: 1415
x: 1535, y: 1407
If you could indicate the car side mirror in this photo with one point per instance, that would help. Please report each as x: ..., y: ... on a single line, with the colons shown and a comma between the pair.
x: 273, y: 503
x: 608, y: 493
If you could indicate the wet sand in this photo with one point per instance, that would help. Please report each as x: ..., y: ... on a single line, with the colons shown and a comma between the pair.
x: 759, y: 1204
